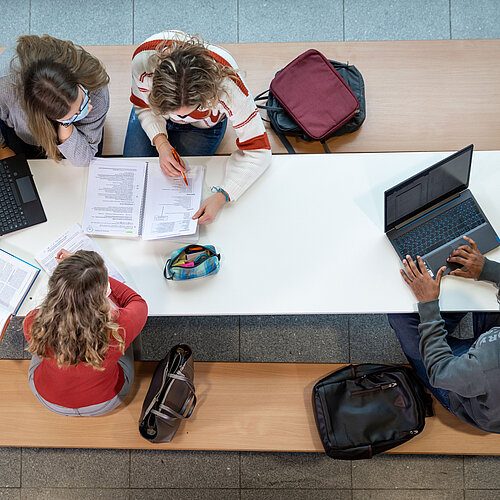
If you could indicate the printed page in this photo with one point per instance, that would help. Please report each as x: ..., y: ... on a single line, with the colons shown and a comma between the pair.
x: 115, y: 190
x: 72, y: 240
x: 170, y: 204
x: 16, y: 277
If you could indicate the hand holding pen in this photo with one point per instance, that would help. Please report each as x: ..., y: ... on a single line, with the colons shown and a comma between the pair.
x: 170, y: 162
x: 178, y: 160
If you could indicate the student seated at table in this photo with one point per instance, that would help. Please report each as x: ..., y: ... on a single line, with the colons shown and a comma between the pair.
x: 82, y: 360
x: 53, y: 101
x: 183, y: 93
x: 462, y: 374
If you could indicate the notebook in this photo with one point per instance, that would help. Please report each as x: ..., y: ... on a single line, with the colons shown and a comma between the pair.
x: 429, y: 213
x: 16, y: 278
x: 136, y: 199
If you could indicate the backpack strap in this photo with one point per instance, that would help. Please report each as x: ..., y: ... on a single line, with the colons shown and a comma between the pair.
x: 325, y: 146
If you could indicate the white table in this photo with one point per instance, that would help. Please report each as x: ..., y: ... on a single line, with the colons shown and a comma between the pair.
x: 306, y: 238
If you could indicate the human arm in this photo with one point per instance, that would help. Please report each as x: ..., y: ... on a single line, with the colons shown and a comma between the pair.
x: 133, y: 310
x: 210, y: 208
x: 475, y: 265
x: 253, y: 155
x: 80, y: 141
x: 170, y: 162
x: 462, y: 374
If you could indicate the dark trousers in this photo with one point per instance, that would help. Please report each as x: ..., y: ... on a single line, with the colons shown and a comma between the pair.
x: 406, y: 329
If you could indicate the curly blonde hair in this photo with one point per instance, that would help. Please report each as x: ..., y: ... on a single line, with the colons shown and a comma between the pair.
x: 186, y: 75
x: 48, y: 71
x: 74, y: 323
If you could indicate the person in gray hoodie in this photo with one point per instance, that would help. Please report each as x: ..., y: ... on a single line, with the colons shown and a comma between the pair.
x: 462, y: 374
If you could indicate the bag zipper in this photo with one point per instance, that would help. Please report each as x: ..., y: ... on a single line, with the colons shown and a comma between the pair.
x: 381, y: 387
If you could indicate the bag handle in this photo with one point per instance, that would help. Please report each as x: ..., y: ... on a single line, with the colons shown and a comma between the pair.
x: 165, y: 272
x: 185, y: 412
x: 262, y: 96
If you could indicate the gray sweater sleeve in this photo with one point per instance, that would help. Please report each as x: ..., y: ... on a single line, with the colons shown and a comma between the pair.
x: 491, y: 272
x: 460, y: 374
x: 81, y: 146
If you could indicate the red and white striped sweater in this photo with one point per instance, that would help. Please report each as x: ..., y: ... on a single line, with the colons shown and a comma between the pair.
x: 236, y: 103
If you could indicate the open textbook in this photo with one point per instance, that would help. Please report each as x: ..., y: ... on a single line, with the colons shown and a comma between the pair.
x: 72, y: 240
x: 131, y: 198
x: 16, y: 278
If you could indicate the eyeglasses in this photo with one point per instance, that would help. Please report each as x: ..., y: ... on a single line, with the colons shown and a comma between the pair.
x: 82, y: 112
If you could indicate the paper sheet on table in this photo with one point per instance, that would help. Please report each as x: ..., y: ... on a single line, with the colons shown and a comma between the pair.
x: 170, y: 204
x: 73, y: 239
x: 115, y: 191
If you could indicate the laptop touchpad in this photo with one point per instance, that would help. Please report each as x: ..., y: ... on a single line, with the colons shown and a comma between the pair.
x: 26, y: 189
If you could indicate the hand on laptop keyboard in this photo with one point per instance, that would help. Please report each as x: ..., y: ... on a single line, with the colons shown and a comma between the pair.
x: 469, y: 257
x: 420, y: 281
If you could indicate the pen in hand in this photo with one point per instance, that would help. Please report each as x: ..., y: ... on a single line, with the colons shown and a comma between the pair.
x: 178, y: 160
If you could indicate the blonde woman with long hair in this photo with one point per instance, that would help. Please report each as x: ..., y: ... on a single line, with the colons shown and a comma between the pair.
x: 53, y: 101
x: 80, y: 338
x: 184, y: 91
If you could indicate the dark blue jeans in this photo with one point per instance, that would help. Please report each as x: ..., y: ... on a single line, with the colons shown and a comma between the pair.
x: 186, y: 139
x: 406, y: 328
x: 28, y: 150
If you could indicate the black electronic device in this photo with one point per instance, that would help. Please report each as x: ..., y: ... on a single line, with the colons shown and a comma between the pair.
x: 20, y: 205
x: 429, y: 213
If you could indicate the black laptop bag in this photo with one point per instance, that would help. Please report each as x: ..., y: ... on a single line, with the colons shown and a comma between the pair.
x: 283, y: 124
x: 365, y: 409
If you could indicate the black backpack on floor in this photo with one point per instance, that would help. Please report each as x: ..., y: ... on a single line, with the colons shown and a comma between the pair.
x: 365, y: 409
x: 283, y: 124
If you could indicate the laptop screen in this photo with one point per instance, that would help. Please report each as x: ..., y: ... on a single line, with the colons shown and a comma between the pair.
x: 427, y: 188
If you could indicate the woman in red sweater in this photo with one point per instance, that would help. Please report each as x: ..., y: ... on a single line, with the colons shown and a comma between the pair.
x: 82, y: 360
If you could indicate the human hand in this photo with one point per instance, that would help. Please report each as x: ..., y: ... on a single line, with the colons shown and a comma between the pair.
x: 169, y: 164
x: 63, y: 133
x: 423, y: 286
x: 63, y: 254
x: 210, y: 208
x: 469, y: 257
x: 6, y: 152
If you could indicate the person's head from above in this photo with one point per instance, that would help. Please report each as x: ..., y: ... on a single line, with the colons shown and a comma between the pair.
x: 52, y: 89
x: 74, y: 323
x: 54, y: 78
x: 186, y: 78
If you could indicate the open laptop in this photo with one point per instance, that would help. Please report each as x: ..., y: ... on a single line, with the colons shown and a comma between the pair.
x: 428, y: 213
x: 20, y: 204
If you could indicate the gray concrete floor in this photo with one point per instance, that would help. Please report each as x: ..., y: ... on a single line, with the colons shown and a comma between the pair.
x: 67, y: 474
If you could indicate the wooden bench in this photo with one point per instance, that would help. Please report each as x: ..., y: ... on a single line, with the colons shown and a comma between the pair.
x: 432, y: 95
x: 241, y: 406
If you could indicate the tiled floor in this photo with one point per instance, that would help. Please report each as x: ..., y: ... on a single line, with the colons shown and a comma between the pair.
x: 117, y: 474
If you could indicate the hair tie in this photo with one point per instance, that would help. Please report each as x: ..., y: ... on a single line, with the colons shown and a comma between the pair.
x: 220, y: 190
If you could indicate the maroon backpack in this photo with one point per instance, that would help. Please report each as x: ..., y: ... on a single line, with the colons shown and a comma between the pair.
x: 317, y: 101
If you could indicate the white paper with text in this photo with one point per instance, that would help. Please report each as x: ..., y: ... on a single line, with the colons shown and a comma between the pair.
x: 170, y: 204
x: 73, y: 239
x: 115, y: 191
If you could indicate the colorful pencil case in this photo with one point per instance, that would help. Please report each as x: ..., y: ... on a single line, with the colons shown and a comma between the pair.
x: 192, y: 261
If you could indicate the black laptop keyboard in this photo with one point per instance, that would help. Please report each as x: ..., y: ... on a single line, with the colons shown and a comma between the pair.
x: 443, y: 228
x: 12, y: 215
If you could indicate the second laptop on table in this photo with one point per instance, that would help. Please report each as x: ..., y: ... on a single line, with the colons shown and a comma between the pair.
x: 429, y: 213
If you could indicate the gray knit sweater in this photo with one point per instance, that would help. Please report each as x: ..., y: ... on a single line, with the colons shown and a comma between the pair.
x: 81, y: 146
x: 473, y: 378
